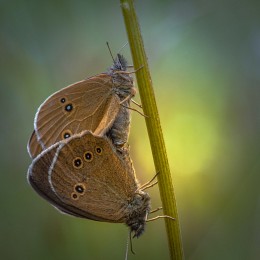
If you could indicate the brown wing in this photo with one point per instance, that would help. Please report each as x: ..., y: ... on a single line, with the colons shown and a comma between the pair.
x: 86, y: 173
x: 86, y: 105
x: 34, y: 148
x: 38, y: 179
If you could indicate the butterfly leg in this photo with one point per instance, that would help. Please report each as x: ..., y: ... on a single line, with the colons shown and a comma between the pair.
x: 147, y: 183
x: 128, y: 72
x: 135, y: 111
x: 137, y: 104
x: 149, y: 186
x: 155, y: 210
x: 163, y: 216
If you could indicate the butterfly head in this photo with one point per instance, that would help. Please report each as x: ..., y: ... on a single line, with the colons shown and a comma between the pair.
x: 122, y: 81
x: 139, y: 207
x: 120, y: 63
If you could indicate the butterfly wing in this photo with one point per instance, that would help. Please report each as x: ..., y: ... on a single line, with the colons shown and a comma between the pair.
x: 86, y: 173
x: 38, y: 178
x: 86, y: 105
x: 33, y: 147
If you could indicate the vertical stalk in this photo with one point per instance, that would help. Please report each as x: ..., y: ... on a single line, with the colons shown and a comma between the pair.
x: 154, y: 128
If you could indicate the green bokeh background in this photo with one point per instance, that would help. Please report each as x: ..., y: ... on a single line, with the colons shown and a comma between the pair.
x: 204, y: 58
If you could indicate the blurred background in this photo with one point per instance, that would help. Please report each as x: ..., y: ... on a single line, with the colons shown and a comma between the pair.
x: 204, y: 58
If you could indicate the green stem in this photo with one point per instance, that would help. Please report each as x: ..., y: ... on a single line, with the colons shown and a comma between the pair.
x: 154, y: 128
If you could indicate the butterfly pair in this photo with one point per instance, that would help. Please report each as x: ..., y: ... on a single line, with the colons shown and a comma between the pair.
x: 81, y: 162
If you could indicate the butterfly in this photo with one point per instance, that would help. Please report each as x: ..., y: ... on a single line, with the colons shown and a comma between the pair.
x: 99, y: 104
x: 84, y: 176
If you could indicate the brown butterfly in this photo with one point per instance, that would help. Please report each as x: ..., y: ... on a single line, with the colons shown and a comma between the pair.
x: 84, y: 176
x: 99, y: 104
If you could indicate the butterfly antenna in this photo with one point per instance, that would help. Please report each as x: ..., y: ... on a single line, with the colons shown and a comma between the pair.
x: 123, y: 47
x: 110, y: 52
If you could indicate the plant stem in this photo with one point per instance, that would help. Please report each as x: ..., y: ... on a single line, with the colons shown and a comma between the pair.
x: 154, y: 128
